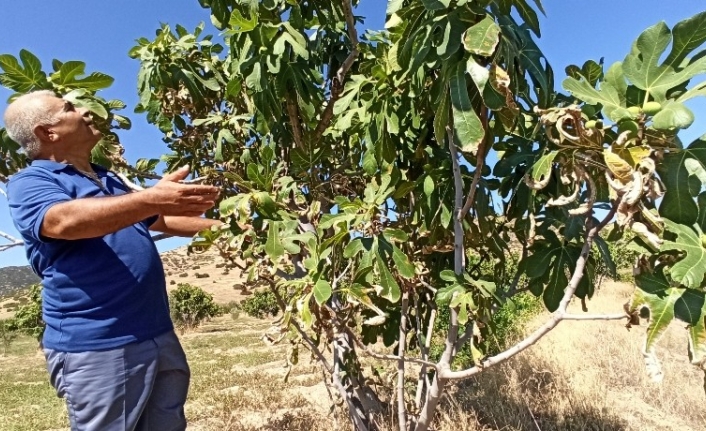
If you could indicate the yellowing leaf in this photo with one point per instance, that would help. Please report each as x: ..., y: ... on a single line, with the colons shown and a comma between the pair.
x: 617, y: 166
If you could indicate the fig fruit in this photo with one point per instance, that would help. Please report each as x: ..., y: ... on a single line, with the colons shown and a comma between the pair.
x: 590, y: 124
x: 628, y: 125
x: 651, y: 108
x: 635, y: 110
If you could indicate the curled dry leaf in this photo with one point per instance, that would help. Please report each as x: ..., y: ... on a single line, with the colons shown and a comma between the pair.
x: 635, y: 192
x: 641, y: 230
x: 565, y: 200
x: 375, y: 321
x: 537, y: 185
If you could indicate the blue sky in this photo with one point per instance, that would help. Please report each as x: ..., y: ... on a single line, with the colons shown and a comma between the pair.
x: 101, y: 33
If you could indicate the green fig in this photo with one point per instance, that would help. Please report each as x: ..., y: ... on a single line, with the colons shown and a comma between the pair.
x: 651, y: 108
x: 628, y: 126
x: 635, y: 110
x: 590, y: 124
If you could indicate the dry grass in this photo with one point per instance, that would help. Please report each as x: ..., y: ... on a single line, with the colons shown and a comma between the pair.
x: 583, y: 376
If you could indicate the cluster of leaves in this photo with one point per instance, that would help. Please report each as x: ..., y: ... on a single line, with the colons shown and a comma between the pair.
x: 638, y: 105
x: 24, y: 74
x: 189, y: 306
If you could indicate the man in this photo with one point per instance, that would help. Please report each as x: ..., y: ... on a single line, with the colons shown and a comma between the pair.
x: 109, y: 342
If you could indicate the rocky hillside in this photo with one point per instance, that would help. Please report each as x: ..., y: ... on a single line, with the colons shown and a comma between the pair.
x: 206, y: 270
x: 15, y: 278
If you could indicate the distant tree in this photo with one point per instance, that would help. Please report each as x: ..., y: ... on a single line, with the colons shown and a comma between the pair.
x: 28, y: 317
x: 366, y: 175
x: 190, y: 305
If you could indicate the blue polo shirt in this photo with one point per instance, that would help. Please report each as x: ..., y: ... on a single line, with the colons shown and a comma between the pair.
x: 99, y: 293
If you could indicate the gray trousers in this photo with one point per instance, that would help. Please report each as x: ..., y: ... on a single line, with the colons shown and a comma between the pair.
x: 137, y: 387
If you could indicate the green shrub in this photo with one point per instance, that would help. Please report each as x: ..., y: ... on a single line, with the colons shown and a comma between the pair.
x: 189, y: 306
x: 504, y: 327
x: 509, y: 321
x: 28, y: 317
x: 261, y: 304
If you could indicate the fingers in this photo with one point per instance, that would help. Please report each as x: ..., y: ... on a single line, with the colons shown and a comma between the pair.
x: 200, y: 190
x: 177, y: 175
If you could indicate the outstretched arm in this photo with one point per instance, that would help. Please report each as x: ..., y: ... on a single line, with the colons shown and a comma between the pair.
x: 182, y: 226
x: 94, y: 217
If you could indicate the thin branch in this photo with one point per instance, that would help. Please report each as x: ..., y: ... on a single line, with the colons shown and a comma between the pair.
x: 556, y: 318
x: 480, y: 162
x: 138, y: 173
x: 8, y: 237
x: 401, y: 346
x: 384, y: 357
x: 129, y: 184
x: 337, y: 82
x: 14, y: 242
x: 595, y: 316
x: 358, y: 421
x: 423, y: 382
x: 293, y: 113
x: 428, y: 286
x: 459, y: 234
x: 467, y: 334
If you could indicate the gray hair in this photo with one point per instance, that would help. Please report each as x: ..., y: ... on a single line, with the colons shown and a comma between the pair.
x: 23, y: 115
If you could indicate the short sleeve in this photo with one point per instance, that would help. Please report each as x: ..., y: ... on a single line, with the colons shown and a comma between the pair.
x: 150, y: 220
x: 31, y: 193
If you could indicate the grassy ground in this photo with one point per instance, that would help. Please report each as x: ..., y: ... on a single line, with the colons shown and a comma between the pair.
x: 583, y: 376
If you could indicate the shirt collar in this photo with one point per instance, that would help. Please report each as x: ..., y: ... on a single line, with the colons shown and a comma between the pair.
x: 57, y: 167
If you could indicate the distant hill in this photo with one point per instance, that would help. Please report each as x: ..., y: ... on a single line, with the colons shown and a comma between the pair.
x: 16, y: 278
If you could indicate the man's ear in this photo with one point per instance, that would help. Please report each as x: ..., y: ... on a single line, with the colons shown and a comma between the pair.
x: 45, y: 133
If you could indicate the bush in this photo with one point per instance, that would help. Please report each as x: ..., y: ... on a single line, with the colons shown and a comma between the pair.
x: 261, y: 304
x: 28, y: 317
x: 504, y: 327
x: 189, y: 306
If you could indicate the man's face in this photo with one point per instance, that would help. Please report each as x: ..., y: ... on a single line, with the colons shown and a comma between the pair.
x: 75, y: 125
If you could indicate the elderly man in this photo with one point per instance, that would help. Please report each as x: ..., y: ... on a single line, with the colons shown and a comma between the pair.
x: 109, y: 342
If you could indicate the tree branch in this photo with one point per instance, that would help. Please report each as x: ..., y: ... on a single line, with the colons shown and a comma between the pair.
x: 140, y: 174
x: 337, y: 82
x: 559, y: 315
x: 616, y: 316
x: 14, y: 242
x: 384, y: 357
x: 467, y: 334
x: 480, y: 162
x: 401, y: 346
x: 293, y: 113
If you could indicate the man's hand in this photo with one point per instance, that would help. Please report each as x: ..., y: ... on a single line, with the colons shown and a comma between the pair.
x: 175, y: 199
x: 95, y: 217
